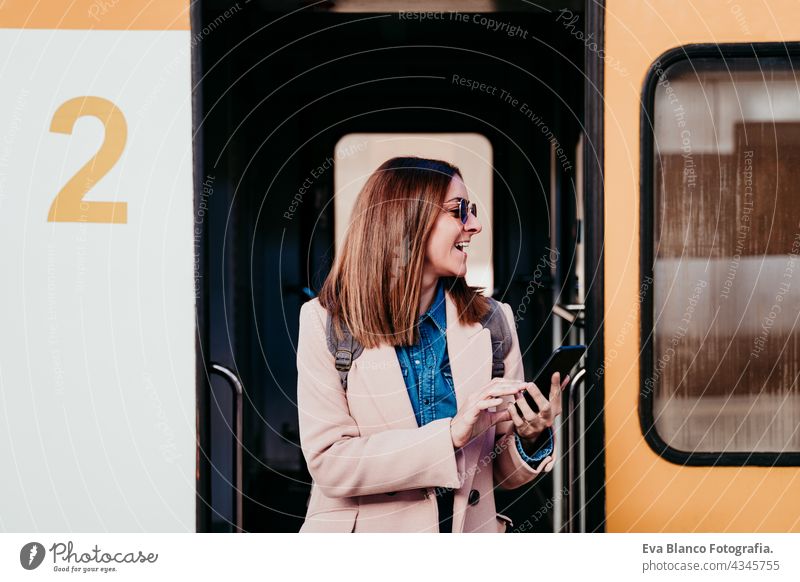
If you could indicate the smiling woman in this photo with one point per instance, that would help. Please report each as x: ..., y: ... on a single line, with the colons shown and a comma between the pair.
x: 399, y: 213
x: 401, y: 403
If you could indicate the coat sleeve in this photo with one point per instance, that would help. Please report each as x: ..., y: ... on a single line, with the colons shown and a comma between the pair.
x: 510, y: 469
x: 342, y: 462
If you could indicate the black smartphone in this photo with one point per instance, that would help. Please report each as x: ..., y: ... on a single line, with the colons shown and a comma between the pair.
x: 562, y: 360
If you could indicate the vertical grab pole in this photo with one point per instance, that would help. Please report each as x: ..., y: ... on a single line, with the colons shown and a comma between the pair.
x: 238, y: 392
x: 574, y: 453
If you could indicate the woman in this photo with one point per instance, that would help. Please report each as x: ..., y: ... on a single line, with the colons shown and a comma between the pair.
x: 420, y: 435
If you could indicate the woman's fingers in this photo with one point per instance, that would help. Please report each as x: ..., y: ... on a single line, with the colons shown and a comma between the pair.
x: 502, y: 416
x: 541, y: 402
x: 472, y: 416
x: 504, y: 389
x: 525, y: 408
x: 556, y: 390
x: 556, y: 386
x: 555, y: 383
x: 488, y: 403
x: 512, y: 411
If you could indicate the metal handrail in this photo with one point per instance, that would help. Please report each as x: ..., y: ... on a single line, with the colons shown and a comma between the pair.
x: 574, y: 447
x: 238, y: 392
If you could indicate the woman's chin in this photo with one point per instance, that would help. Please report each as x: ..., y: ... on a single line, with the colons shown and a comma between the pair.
x: 459, y: 271
x: 456, y: 268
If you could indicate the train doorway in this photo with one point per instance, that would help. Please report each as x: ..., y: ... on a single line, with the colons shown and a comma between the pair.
x: 288, y: 98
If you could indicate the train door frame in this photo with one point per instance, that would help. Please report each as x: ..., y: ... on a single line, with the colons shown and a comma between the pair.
x: 588, y: 507
x: 202, y: 339
x: 590, y: 512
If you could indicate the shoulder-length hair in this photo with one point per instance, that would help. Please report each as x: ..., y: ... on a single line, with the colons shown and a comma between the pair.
x: 375, y: 283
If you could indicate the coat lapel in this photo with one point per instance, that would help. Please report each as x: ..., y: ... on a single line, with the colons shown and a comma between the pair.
x: 467, y: 346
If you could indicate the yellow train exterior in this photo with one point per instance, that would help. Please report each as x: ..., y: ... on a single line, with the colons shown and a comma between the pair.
x: 646, y: 492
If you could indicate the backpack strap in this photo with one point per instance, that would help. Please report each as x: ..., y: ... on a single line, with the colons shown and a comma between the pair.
x: 495, y: 320
x: 346, y: 350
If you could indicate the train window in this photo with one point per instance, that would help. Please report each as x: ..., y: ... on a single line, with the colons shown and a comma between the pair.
x: 358, y: 154
x: 721, y: 258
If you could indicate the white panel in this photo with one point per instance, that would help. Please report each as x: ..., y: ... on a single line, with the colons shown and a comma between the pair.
x: 97, y: 386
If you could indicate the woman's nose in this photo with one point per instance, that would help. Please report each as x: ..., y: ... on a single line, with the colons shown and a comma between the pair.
x: 472, y: 225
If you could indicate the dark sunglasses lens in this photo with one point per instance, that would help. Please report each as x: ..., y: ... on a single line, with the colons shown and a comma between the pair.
x: 464, y: 208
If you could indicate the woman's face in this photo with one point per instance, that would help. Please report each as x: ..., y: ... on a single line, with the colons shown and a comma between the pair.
x: 442, y: 258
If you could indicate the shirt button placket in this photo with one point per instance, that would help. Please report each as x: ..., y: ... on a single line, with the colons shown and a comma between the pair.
x: 428, y: 379
x: 423, y: 392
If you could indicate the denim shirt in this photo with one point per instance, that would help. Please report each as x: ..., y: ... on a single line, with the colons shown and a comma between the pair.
x: 429, y: 381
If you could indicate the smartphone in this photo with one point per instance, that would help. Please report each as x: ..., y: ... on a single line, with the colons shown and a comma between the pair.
x: 563, y: 360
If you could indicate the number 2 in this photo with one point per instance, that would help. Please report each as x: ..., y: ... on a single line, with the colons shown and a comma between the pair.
x: 68, y: 205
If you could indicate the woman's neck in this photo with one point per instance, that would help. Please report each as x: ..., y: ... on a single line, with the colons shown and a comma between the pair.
x: 426, y: 295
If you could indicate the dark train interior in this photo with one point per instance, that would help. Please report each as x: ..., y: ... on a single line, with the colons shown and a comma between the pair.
x: 280, y: 85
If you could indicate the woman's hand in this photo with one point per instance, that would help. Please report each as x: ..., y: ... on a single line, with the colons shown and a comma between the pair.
x: 529, y: 425
x: 474, y: 417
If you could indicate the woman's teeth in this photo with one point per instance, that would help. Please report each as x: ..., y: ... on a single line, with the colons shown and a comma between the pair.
x: 462, y: 246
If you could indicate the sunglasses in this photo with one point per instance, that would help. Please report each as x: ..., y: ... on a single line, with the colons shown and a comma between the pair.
x: 463, y: 210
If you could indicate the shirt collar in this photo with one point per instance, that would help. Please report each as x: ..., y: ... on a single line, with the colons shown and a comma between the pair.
x: 437, y: 311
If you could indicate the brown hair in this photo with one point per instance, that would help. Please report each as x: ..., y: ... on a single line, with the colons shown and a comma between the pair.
x: 375, y: 283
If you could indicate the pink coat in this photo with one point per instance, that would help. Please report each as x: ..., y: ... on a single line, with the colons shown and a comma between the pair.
x: 373, y: 468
